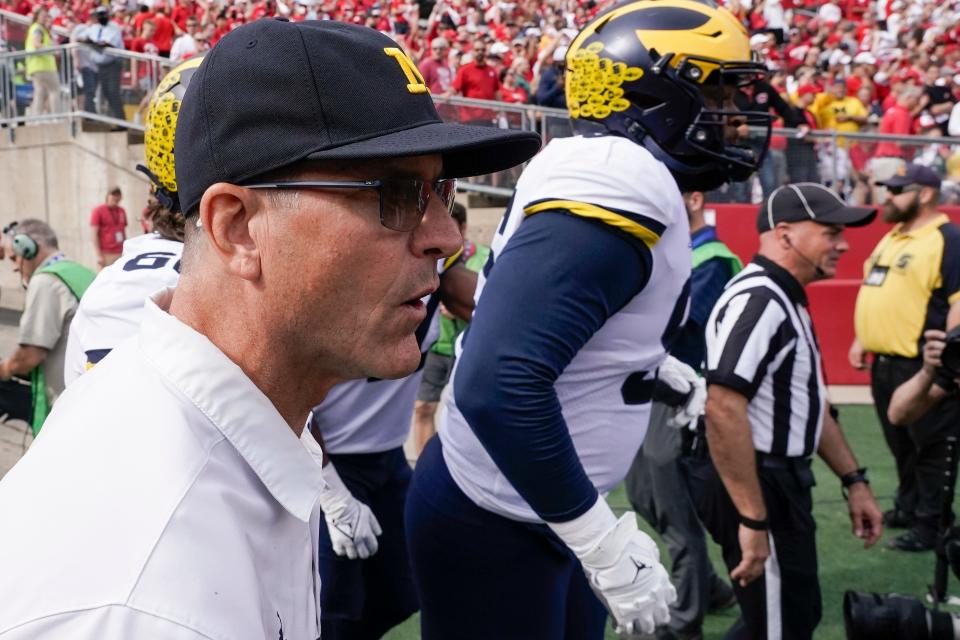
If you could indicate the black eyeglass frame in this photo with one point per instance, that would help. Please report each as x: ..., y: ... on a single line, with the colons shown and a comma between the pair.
x: 377, y: 184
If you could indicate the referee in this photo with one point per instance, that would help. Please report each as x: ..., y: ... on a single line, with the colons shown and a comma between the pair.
x: 910, y: 280
x: 767, y: 414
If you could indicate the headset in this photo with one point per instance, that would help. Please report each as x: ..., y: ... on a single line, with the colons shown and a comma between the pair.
x: 817, y: 268
x: 23, y: 245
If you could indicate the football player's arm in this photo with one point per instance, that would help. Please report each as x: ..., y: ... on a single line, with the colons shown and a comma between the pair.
x: 351, y: 525
x: 556, y: 283
x: 553, y: 287
x: 457, y: 286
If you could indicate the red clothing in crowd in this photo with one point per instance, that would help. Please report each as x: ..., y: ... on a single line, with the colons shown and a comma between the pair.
x: 898, y: 121
x: 475, y: 81
x: 515, y: 95
x: 139, y: 19
x: 181, y: 12
x: 139, y: 45
x: 111, y: 224
x: 480, y: 82
x: 438, y: 77
x: 856, y: 9
x: 164, y: 35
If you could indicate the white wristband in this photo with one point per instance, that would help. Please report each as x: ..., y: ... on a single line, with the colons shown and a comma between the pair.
x: 584, y: 532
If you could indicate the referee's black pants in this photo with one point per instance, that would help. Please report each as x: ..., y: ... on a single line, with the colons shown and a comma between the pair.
x: 919, y: 449
x: 785, y: 601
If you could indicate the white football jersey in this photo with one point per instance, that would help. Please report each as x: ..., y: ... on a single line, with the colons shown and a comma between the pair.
x: 372, y: 416
x: 619, y: 183
x: 111, y: 309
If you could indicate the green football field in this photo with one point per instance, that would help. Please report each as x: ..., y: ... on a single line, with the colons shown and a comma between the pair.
x: 844, y: 564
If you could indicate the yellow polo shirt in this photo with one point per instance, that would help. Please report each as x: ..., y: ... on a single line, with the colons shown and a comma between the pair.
x: 909, y: 282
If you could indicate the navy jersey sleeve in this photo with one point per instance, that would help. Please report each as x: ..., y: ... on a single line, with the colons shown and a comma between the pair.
x: 556, y: 283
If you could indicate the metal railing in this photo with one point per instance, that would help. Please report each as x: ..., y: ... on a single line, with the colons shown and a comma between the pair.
x: 102, y: 84
x: 116, y: 94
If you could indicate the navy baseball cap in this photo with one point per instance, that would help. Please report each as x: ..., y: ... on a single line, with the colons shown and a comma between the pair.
x: 912, y: 174
x: 272, y: 93
x: 809, y: 201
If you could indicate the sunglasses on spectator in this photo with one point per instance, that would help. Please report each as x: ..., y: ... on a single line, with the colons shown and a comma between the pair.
x: 403, y: 201
x: 895, y: 191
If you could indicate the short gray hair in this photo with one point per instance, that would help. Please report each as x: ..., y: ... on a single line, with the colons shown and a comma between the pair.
x: 40, y: 231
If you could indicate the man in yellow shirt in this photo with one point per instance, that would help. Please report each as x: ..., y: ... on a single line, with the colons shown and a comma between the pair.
x: 837, y: 111
x: 42, y: 68
x: 910, y: 280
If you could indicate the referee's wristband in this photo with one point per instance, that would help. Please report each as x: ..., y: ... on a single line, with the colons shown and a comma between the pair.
x: 756, y: 525
x: 852, y: 478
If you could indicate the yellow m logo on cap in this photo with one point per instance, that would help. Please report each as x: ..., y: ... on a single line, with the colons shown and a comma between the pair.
x: 415, y: 82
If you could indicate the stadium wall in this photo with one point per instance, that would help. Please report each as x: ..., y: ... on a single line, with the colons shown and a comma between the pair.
x: 59, y: 178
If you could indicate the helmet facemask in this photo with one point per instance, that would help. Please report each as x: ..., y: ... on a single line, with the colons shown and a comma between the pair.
x: 701, y: 155
x: 663, y: 74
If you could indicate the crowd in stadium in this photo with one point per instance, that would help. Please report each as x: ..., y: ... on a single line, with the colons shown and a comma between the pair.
x: 890, y: 67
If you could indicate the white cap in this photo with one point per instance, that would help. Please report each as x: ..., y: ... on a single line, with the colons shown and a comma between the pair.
x: 758, y: 38
x: 864, y: 57
x: 497, y: 49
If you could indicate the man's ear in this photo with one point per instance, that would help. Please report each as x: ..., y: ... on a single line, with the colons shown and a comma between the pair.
x: 226, y: 213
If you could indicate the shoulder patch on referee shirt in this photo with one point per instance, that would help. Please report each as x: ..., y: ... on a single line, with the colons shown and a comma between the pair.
x: 642, y: 227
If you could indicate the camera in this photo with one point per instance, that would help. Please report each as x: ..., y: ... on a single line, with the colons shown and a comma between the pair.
x: 950, y: 357
x: 872, y: 616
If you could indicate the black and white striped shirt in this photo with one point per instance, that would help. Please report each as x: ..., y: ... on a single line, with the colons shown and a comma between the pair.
x: 760, y: 343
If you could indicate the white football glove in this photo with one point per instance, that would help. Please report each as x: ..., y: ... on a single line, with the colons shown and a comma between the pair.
x: 624, y: 571
x: 352, y: 526
x: 682, y: 379
x: 623, y: 567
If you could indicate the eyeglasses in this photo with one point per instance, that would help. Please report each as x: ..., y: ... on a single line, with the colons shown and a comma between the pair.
x: 403, y: 201
x: 895, y: 191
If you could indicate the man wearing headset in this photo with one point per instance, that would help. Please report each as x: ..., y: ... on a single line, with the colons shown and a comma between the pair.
x: 54, y: 286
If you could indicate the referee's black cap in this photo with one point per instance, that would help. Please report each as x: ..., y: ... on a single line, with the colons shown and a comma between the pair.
x: 272, y: 93
x: 912, y: 174
x: 810, y: 201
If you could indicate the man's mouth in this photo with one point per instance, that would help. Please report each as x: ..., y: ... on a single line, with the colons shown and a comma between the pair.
x: 416, y: 302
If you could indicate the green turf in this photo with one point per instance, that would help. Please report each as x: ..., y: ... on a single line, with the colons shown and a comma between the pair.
x: 844, y: 564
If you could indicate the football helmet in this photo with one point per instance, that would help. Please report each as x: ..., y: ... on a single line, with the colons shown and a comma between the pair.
x: 161, y: 131
x: 663, y: 73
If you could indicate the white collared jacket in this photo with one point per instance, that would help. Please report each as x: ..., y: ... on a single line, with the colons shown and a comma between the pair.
x: 164, y: 498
